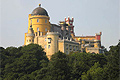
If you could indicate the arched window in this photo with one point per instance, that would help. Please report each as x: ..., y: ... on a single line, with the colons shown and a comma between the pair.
x: 38, y: 29
x: 45, y: 29
x: 45, y: 46
x: 45, y: 39
x: 48, y: 46
x: 29, y: 40
x: 37, y: 20
x: 46, y: 21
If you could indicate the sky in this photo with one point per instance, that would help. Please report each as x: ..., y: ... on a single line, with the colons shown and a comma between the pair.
x: 90, y: 17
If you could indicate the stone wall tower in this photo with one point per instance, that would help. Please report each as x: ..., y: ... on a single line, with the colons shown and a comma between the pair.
x: 52, y: 43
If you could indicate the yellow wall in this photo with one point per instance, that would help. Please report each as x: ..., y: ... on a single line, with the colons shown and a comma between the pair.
x: 41, y: 24
x: 86, y: 38
x: 41, y: 41
x: 92, y: 49
x: 29, y: 40
x: 25, y: 39
x: 61, y: 46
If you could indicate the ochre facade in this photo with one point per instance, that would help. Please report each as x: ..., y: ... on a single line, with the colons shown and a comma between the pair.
x: 61, y: 37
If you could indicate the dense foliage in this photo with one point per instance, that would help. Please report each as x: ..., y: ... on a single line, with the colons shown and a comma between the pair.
x: 30, y: 63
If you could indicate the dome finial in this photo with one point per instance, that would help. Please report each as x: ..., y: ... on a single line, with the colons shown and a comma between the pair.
x: 39, y: 5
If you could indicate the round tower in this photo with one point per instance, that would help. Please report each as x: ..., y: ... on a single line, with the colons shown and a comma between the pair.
x: 30, y: 36
x: 39, y: 19
x: 52, y: 43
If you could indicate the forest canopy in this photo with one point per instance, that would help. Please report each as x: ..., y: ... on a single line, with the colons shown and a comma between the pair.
x: 31, y: 63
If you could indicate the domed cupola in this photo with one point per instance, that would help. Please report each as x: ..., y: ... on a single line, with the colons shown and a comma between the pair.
x: 39, y: 11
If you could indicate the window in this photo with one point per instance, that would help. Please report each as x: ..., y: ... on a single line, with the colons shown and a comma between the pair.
x: 37, y: 20
x: 29, y: 40
x: 45, y: 46
x: 98, y: 45
x: 31, y: 21
x: 45, y: 29
x: 36, y: 33
x: 66, y: 46
x: 45, y: 21
x: 45, y: 39
x: 77, y: 48
x: 74, y: 48
x: 49, y: 40
x: 70, y: 47
x: 38, y: 29
x: 67, y: 52
x: 32, y: 40
x: 48, y: 46
x: 92, y: 45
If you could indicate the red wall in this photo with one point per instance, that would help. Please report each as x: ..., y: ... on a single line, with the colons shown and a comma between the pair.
x: 98, y: 37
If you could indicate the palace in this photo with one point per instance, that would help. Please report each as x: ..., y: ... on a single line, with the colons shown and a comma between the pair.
x: 58, y: 37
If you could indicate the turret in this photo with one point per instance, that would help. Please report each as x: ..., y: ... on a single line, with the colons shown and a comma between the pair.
x: 39, y: 19
x: 30, y: 36
x: 98, y: 36
x: 70, y: 23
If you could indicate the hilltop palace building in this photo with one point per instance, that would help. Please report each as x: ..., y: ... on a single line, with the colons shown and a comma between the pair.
x: 54, y: 38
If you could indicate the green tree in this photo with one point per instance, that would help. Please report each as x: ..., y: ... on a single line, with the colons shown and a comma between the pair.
x: 82, y: 62
x: 95, y: 73
x: 28, y: 62
x: 58, y: 67
x: 111, y: 70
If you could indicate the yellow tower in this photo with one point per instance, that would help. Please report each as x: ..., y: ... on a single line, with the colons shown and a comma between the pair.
x: 39, y: 19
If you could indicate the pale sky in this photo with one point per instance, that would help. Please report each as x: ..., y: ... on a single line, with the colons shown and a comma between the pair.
x: 90, y: 17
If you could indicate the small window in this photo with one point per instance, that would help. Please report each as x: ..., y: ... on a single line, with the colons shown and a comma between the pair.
x: 45, y: 21
x: 32, y: 40
x: 49, y: 40
x: 70, y: 47
x: 37, y: 20
x: 45, y: 39
x: 77, y: 48
x: 45, y: 29
x: 48, y: 46
x: 67, y: 52
x: 45, y: 46
x: 29, y: 40
x: 92, y: 45
x: 38, y: 29
x: 74, y: 48
x: 67, y: 46
x: 36, y: 33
